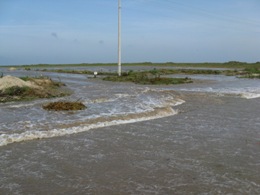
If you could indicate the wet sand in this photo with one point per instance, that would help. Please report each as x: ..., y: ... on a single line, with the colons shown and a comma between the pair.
x: 211, y: 147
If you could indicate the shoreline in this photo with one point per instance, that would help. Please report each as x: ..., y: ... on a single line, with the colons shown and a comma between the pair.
x: 230, y: 64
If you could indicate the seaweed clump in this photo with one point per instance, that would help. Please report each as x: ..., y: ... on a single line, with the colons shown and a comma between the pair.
x: 67, y: 106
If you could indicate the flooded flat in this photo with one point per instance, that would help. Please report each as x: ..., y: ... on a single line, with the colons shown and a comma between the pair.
x: 200, y: 138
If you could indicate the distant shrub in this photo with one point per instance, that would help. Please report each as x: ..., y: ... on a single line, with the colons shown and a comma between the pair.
x: 252, y: 70
x: 147, y: 78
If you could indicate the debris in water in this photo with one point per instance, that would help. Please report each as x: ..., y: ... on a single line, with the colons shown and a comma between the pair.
x: 59, y: 106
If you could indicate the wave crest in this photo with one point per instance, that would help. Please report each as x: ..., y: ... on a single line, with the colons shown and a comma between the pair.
x: 77, y: 127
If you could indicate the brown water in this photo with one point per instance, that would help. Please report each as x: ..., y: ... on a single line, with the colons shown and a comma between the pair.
x: 147, y: 145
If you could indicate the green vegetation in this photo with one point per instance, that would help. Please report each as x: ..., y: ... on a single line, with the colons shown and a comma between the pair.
x: 69, y: 71
x: 252, y: 73
x: 154, y: 71
x: 59, y: 106
x: 44, y: 88
x: 185, y: 71
x: 16, y: 91
x: 88, y: 72
x: 253, y: 70
x: 43, y: 82
x: 249, y: 72
x: 233, y: 68
x: 230, y: 64
x: 147, y: 78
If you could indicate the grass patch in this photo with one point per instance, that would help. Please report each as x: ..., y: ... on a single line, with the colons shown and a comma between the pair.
x: 147, y: 78
x: 15, y: 91
x: 251, y: 73
x: 87, y: 72
x: 69, y: 71
x: 64, y: 106
x: 230, y: 64
x: 45, y: 88
x: 185, y: 71
x: 252, y: 70
x: 234, y: 68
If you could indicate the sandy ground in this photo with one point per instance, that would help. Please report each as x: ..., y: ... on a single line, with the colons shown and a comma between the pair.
x: 37, y: 88
x: 11, y: 81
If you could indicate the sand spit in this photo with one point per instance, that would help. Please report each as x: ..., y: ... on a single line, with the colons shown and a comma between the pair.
x: 11, y: 81
x: 15, y: 89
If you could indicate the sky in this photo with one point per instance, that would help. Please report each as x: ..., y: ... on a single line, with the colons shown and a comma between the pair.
x: 86, y: 31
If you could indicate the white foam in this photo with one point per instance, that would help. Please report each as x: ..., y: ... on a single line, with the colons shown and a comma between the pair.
x: 32, y: 135
x: 246, y: 93
x: 99, y: 100
x: 121, y: 95
x: 21, y: 105
x: 250, y: 95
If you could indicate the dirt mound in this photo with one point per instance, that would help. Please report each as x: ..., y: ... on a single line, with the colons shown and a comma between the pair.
x: 11, y: 81
x: 15, y: 89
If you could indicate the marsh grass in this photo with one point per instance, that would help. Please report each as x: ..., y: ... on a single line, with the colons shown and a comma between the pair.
x: 248, y: 72
x: 253, y: 70
x: 251, y: 73
x: 229, y: 64
x: 17, y: 93
x: 147, y: 78
x: 69, y: 71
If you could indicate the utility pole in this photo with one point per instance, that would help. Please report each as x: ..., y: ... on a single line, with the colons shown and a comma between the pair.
x: 119, y: 38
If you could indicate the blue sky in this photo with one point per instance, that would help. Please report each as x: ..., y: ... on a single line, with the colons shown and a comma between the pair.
x: 85, y: 31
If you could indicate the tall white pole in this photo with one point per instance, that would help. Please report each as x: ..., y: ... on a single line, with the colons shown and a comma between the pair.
x: 119, y: 37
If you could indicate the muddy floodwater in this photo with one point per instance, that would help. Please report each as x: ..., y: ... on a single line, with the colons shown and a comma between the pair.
x: 199, y: 138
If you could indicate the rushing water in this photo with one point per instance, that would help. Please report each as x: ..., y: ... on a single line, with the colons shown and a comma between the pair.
x: 200, y: 138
